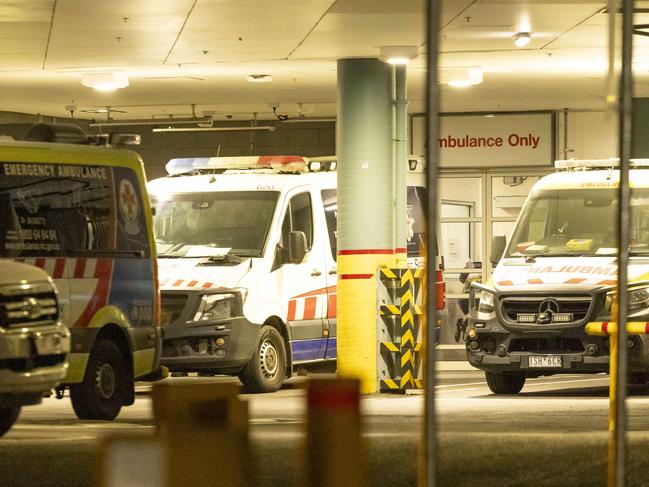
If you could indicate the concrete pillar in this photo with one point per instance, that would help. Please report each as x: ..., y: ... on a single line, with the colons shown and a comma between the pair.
x: 366, y: 209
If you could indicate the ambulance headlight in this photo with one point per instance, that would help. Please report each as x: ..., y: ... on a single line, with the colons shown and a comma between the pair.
x: 486, y: 301
x: 638, y: 299
x: 216, y: 307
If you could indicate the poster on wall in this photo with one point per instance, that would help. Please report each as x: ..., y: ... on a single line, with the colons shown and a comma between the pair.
x: 493, y: 140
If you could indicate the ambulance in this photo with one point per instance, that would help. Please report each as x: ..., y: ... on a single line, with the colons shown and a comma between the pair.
x: 557, y: 273
x: 81, y: 213
x: 247, y: 257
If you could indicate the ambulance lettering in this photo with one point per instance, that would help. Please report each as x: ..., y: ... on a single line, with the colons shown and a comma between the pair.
x: 607, y: 271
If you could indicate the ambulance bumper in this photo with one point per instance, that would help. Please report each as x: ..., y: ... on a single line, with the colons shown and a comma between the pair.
x: 222, y: 347
x: 540, y: 352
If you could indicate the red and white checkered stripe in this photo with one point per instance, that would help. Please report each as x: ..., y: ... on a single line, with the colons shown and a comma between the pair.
x: 62, y: 267
x: 315, y: 304
x: 186, y: 283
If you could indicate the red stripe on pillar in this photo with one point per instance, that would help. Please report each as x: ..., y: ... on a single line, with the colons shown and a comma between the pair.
x: 178, y: 282
x: 367, y: 251
x: 206, y: 285
x: 356, y: 276
x: 646, y: 327
x: 605, y: 327
x: 192, y: 283
x: 40, y: 262
x: 309, y: 308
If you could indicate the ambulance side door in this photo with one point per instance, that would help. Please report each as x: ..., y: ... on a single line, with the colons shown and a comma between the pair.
x: 303, y: 284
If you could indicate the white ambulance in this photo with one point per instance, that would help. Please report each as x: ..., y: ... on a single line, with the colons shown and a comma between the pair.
x: 247, y: 261
x: 557, y: 273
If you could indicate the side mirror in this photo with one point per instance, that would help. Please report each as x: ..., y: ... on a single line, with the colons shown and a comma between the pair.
x: 498, y: 244
x: 296, y: 247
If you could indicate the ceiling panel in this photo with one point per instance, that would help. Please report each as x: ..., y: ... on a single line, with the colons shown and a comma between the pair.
x: 297, y: 42
x: 246, y: 30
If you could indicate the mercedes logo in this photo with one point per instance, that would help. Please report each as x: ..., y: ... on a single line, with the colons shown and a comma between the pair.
x: 549, y: 307
x: 31, y: 308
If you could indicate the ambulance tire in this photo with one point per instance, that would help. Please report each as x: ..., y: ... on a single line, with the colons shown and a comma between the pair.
x: 505, y: 382
x: 8, y: 416
x: 267, y: 368
x: 105, y: 384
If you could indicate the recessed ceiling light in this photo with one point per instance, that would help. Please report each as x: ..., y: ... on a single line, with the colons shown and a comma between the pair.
x: 522, y: 39
x: 260, y: 78
x: 105, y: 81
x: 398, y: 55
x: 461, y: 77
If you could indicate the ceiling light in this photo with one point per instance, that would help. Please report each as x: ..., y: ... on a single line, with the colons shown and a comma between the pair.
x: 260, y: 78
x: 399, y: 54
x: 522, y: 39
x: 105, y: 81
x: 267, y: 128
x: 461, y: 77
x: 175, y: 121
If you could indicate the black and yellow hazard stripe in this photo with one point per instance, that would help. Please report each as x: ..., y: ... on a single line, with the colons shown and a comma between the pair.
x: 401, y: 355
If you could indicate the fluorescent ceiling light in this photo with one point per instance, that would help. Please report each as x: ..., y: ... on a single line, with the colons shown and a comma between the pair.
x: 461, y: 77
x: 105, y: 81
x: 127, y: 123
x: 267, y: 128
x: 399, y: 55
x: 522, y: 39
x: 300, y: 120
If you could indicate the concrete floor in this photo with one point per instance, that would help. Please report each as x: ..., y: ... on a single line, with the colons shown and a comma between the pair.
x: 554, y: 433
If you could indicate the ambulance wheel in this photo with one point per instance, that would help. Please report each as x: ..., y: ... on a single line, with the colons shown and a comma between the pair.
x: 505, y: 382
x: 105, y: 384
x: 267, y: 368
x: 8, y: 416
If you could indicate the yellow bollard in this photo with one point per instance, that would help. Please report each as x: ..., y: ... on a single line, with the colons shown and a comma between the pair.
x: 204, y: 427
x: 612, y: 395
x: 335, y: 449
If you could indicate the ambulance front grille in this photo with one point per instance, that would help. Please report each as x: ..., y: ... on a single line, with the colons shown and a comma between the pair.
x: 28, y: 306
x: 575, y: 306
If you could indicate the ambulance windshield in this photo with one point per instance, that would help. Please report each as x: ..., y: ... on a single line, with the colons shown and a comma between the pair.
x: 570, y: 222
x: 194, y: 224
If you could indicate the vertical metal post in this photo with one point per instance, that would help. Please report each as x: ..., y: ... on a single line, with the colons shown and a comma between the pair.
x: 617, y: 429
x: 432, y: 153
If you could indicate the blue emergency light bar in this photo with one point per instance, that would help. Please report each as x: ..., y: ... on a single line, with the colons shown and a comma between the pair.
x: 185, y: 164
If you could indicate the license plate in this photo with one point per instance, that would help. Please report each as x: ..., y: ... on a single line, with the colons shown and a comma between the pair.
x: 544, y: 361
x: 50, y: 344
